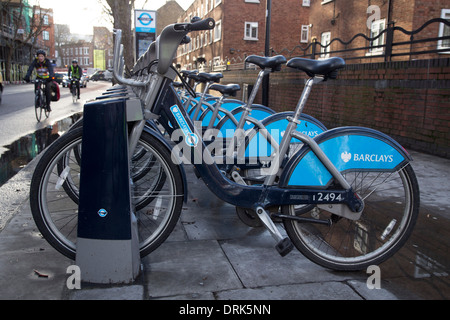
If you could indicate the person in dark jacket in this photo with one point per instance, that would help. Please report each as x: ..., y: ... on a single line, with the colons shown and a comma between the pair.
x: 44, y: 70
x: 76, y: 73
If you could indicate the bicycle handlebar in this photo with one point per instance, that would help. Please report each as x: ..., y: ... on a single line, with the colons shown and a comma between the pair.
x: 205, y: 24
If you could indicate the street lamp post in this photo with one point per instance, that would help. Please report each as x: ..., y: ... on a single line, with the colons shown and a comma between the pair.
x: 265, y: 92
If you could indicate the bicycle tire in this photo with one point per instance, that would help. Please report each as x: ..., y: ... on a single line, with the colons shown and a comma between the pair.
x: 388, y: 219
x: 37, y: 107
x: 55, y: 213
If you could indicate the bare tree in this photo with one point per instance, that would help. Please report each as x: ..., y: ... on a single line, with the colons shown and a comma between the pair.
x: 121, y: 13
x: 18, y: 32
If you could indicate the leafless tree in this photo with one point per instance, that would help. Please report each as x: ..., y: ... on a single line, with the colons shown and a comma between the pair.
x: 120, y: 13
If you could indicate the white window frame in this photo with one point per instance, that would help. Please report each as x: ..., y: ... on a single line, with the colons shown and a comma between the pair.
x: 445, y: 14
x: 218, y: 31
x: 252, y: 1
x: 252, y: 26
x: 304, y: 34
x: 377, y: 27
x: 306, y: 3
x: 45, y: 35
x: 325, y: 37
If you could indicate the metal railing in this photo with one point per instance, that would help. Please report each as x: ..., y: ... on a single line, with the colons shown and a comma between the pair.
x: 352, y: 50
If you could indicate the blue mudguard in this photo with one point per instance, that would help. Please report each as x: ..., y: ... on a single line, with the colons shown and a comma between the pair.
x: 348, y: 148
x: 276, y: 125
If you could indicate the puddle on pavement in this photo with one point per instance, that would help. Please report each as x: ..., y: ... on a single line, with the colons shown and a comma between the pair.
x: 22, y: 151
x: 422, y: 267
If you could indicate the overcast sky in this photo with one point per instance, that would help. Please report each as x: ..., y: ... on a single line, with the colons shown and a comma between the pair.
x: 82, y: 15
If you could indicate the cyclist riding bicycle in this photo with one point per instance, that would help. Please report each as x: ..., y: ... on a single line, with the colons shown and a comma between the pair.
x: 76, y: 73
x: 44, y: 70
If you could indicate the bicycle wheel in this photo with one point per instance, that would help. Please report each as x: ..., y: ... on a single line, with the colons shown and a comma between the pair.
x: 37, y: 106
x: 73, y: 90
x: 391, y: 205
x: 56, y: 213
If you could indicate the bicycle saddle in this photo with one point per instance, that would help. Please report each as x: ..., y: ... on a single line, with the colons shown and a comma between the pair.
x: 215, y: 77
x: 229, y: 89
x: 267, y: 62
x: 325, y: 67
x: 188, y: 72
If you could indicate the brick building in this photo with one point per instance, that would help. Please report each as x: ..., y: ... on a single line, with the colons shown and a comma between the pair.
x: 344, y: 19
x: 240, y: 30
x: 46, y: 39
x: 82, y: 51
x: 97, y: 53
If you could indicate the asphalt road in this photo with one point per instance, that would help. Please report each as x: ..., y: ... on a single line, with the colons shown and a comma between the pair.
x: 17, y: 116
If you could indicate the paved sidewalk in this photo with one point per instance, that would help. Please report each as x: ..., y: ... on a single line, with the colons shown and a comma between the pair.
x: 211, y: 255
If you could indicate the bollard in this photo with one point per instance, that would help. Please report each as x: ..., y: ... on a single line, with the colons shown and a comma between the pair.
x: 107, y: 244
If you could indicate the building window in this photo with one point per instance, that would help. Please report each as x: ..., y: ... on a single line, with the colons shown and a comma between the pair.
x: 325, y: 48
x: 218, y: 31
x: 252, y: 1
x: 45, y: 18
x: 305, y: 34
x: 45, y: 35
x: 377, y: 27
x: 251, y: 31
x: 86, y: 51
x: 86, y: 61
x: 306, y: 3
x: 444, y: 31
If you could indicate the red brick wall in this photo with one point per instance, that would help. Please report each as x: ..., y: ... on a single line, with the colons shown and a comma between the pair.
x: 408, y: 100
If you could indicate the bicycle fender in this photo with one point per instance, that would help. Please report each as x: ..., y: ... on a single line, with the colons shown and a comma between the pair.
x: 348, y: 148
x: 276, y: 125
x: 157, y: 134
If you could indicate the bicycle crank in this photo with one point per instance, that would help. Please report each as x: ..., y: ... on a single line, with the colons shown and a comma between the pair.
x: 284, y: 245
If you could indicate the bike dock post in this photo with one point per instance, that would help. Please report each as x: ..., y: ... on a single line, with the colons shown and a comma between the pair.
x: 107, y: 244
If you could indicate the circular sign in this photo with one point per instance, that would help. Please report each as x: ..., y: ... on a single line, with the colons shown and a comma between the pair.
x: 145, y: 19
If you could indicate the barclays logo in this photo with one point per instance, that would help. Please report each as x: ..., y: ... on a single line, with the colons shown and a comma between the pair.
x: 346, y: 156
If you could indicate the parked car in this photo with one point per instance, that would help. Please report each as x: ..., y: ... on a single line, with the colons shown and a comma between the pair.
x: 105, y: 75
x: 83, y: 81
x: 97, y: 75
x: 59, y: 76
x: 65, y: 82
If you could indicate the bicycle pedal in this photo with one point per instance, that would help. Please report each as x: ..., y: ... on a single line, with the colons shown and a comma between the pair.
x: 284, y: 247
